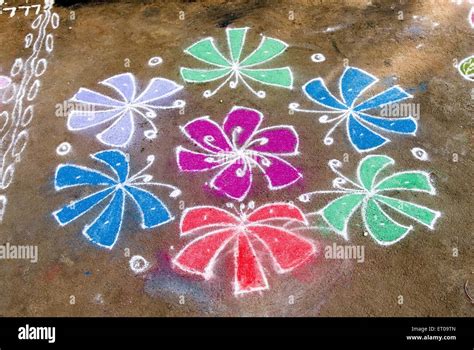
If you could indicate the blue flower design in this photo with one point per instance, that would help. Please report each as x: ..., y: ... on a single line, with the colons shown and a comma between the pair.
x: 104, y: 230
x: 359, y: 124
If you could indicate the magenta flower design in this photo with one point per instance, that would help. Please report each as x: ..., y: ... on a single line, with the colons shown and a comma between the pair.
x: 237, y: 148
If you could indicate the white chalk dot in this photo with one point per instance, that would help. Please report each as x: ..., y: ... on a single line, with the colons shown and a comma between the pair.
x: 154, y: 61
x: 138, y: 264
x: 318, y: 57
x: 63, y: 149
x: 419, y: 153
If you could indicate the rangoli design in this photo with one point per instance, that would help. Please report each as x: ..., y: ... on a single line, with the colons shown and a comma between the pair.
x: 123, y: 111
x: 239, y: 147
x: 370, y: 192
x: 233, y: 68
x: 104, y: 230
x: 359, y: 124
x: 249, y: 234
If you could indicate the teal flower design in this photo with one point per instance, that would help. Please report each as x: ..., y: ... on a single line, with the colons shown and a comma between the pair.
x: 235, y: 70
x: 370, y: 193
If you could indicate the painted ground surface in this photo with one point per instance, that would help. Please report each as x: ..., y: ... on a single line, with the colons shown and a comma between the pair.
x: 252, y: 240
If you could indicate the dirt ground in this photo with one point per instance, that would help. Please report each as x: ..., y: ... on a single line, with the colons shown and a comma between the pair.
x: 96, y: 41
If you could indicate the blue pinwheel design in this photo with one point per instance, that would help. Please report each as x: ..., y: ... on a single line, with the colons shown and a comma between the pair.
x: 359, y: 124
x: 104, y: 230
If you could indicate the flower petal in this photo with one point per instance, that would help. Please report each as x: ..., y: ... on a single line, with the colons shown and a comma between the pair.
x: 194, y: 161
x: 76, y: 209
x: 120, y: 132
x: 199, y: 256
x: 274, y: 76
x: 235, y: 40
x: 203, y: 75
x: 205, y: 50
x: 4, y: 81
x: 382, y: 227
x: 276, y: 140
x: 398, y: 125
x: 152, y: 209
x: 104, y: 230
x: 353, y: 83
x: 287, y: 249
x: 370, y: 167
x: 418, y: 181
x: 156, y: 89
x: 268, y: 49
x: 339, y: 211
x: 79, y: 120
x: 205, y: 217
x: 234, y: 180
x: 278, y: 172
x: 272, y: 211
x: 317, y: 91
x: 240, y: 124
x: 361, y: 137
x: 124, y: 84
x: 95, y: 98
x: 423, y: 215
x: 249, y: 274
x: 394, y: 94
x: 68, y: 175
x: 116, y: 160
x: 207, y: 134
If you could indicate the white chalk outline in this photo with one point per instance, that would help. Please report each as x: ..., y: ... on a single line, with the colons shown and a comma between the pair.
x: 286, y: 218
x: 21, y: 95
x: 105, y: 190
x: 466, y: 77
x: 186, y: 211
x: 276, y: 265
x: 237, y: 153
x: 209, y: 270
x: 436, y: 213
x: 227, y: 30
x: 6, y: 118
x: 347, y: 113
x: 135, y: 259
x: 432, y: 190
x: 383, y: 243
x: 127, y: 108
x: 344, y: 233
x: 88, y: 226
x: 389, y: 162
x: 424, y: 155
x: 235, y: 65
x: 62, y: 152
x: 117, y: 185
x: 314, y: 57
x: 371, y: 194
x: 237, y: 290
x: 155, y: 61
x: 242, y: 227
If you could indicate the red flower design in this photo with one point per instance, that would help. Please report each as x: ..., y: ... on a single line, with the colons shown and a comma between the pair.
x: 263, y: 226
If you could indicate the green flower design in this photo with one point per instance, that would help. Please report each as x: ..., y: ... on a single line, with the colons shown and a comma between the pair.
x: 233, y: 69
x: 370, y: 194
x: 466, y: 68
